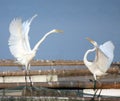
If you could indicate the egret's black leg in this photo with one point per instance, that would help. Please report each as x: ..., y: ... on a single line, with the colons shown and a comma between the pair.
x: 26, y: 85
x: 31, y: 83
x: 28, y: 71
x: 94, y: 84
x: 29, y: 89
x: 94, y: 88
x: 99, y: 93
x: 95, y: 92
x: 26, y: 78
x: 93, y: 98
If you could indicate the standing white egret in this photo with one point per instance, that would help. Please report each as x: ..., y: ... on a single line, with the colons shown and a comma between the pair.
x: 103, y: 59
x: 19, y: 42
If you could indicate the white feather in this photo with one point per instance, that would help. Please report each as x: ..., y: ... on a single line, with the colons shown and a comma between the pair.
x: 19, y: 42
x: 103, y: 59
x: 107, y: 48
x: 25, y: 31
x: 16, y: 40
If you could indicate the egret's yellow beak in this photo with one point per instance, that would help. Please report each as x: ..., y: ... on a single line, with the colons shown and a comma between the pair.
x: 58, y: 31
x: 92, y: 41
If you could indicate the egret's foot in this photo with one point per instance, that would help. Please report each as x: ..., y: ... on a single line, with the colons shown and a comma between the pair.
x: 40, y: 91
x: 27, y: 91
x: 31, y: 90
x: 34, y: 88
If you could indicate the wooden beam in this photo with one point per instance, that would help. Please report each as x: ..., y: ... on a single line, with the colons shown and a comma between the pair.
x: 47, y: 63
x: 43, y: 63
x: 54, y: 98
x: 60, y: 73
x: 66, y: 85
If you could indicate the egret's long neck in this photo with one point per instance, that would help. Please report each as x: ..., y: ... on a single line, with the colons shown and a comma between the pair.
x: 86, y: 62
x: 41, y: 40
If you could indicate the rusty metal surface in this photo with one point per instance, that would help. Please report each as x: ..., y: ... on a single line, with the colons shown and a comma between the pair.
x: 61, y: 73
x: 67, y: 85
x: 46, y: 62
x: 54, y: 98
x: 43, y: 62
x: 67, y: 78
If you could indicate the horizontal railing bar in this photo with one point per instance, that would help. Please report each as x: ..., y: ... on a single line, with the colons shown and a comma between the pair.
x: 47, y: 63
x: 66, y: 85
x: 43, y: 63
x: 60, y: 73
x: 54, y: 98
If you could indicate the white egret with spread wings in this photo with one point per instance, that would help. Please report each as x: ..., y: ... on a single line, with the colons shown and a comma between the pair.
x: 19, y: 41
x: 103, y: 59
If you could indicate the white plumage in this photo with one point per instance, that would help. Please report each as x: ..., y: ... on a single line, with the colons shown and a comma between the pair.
x: 103, y: 59
x: 19, y: 41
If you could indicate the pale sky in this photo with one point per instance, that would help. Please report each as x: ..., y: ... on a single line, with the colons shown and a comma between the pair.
x: 97, y: 19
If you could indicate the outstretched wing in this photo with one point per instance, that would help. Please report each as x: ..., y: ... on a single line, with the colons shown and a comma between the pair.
x: 19, y: 42
x: 108, y: 48
x: 25, y: 31
x: 105, y: 55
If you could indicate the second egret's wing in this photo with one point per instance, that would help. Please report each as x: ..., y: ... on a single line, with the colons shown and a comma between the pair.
x: 105, y: 56
x: 108, y: 49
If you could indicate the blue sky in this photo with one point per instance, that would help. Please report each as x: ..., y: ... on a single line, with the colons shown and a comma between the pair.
x: 97, y: 19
